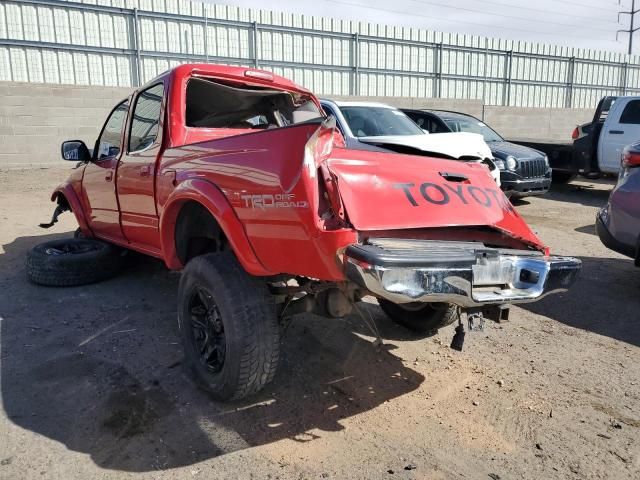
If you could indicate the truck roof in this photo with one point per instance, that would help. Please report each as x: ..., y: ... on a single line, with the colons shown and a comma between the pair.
x: 249, y: 76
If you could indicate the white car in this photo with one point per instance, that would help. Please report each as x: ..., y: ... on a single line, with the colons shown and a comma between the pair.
x: 376, y: 126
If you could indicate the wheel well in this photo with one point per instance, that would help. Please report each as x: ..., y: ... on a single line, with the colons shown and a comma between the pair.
x: 197, y: 232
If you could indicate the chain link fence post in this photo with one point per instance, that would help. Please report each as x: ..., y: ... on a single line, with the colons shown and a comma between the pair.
x: 623, y: 78
x: 438, y: 71
x: 136, y: 46
x: 254, y: 44
x: 355, y: 64
x: 568, y: 98
x: 508, y: 66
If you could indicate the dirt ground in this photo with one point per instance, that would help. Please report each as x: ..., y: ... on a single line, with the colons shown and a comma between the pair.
x: 92, y: 381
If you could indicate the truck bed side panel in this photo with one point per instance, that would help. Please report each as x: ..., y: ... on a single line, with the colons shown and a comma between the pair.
x: 262, y: 176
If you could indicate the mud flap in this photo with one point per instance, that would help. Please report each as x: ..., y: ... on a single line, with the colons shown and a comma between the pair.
x: 54, y: 219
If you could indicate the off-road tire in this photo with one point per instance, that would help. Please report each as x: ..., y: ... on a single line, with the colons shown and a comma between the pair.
x: 86, y: 261
x: 247, y: 311
x: 426, y: 319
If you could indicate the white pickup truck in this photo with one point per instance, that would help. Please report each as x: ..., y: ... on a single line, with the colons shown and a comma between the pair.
x: 598, y: 145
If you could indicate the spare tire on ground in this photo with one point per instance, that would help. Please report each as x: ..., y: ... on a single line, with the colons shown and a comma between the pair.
x: 73, y: 261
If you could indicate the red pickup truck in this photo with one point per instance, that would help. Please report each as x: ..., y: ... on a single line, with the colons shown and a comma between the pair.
x: 234, y: 176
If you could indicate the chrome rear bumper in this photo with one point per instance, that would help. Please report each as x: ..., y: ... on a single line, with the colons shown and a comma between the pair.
x: 463, y: 273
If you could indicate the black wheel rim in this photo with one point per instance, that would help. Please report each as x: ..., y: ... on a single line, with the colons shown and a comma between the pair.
x: 72, y: 248
x: 207, y: 329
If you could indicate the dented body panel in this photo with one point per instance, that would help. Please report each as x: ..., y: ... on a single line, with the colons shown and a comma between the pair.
x: 442, y: 193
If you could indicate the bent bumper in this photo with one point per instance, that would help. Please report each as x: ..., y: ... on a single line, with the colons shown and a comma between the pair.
x: 467, y: 274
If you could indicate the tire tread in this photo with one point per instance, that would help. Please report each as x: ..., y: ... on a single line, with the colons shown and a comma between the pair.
x: 253, y: 310
x: 73, y: 270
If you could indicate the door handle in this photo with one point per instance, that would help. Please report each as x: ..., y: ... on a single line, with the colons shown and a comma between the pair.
x: 616, y: 132
x: 144, y: 171
x: 454, y: 177
x: 108, y: 176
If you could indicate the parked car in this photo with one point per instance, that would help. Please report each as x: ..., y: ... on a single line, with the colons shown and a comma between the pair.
x: 235, y: 177
x: 618, y: 223
x: 379, y: 127
x: 523, y: 171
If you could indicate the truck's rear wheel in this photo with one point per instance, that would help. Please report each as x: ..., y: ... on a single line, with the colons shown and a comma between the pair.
x: 420, y: 318
x: 229, y: 327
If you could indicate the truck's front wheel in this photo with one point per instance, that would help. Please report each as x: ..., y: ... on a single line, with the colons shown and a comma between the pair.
x: 420, y: 318
x: 228, y: 325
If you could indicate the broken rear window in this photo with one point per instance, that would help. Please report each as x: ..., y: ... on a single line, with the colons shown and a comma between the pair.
x: 212, y: 104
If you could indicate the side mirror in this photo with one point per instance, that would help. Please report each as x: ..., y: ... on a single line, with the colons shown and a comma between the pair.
x: 75, y: 150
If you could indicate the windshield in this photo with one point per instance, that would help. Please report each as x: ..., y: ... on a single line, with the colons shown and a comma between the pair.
x: 472, y: 125
x: 379, y: 121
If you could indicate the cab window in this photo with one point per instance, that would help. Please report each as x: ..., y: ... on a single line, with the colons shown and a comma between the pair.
x: 110, y: 142
x: 146, y: 118
x: 631, y: 113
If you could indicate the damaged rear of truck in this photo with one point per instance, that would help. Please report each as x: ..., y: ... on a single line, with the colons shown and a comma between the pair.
x: 408, y: 230
x: 267, y: 213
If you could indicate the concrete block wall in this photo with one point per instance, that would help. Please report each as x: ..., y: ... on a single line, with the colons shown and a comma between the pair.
x: 515, y: 123
x: 36, y: 118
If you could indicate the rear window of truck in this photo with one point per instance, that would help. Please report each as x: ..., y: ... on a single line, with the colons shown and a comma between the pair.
x: 212, y: 104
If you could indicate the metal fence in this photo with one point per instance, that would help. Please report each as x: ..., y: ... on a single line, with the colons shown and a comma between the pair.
x: 128, y: 42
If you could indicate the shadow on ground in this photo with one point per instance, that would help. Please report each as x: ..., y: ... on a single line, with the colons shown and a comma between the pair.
x: 582, y: 194
x: 99, y: 369
x: 605, y: 300
x: 588, y: 229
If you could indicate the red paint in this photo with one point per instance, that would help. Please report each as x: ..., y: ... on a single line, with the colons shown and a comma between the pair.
x: 272, y: 196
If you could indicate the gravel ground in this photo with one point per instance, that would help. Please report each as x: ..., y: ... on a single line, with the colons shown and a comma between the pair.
x: 92, y: 383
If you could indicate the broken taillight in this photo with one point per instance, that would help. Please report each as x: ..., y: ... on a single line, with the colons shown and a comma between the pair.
x: 316, y: 151
x: 330, y: 193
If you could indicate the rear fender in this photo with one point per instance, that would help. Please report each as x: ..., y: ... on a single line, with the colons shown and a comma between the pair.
x: 65, y: 192
x: 210, y: 197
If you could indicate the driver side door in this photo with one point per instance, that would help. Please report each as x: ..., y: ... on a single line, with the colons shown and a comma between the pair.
x: 98, y: 184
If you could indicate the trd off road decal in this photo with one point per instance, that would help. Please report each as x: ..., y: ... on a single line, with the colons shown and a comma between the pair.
x: 280, y: 200
x: 437, y: 194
